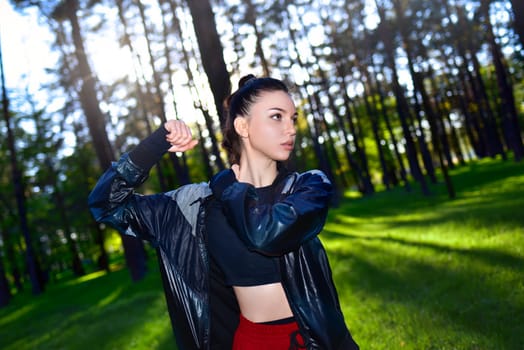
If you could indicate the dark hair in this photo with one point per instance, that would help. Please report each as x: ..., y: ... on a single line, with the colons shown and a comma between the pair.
x: 239, y: 103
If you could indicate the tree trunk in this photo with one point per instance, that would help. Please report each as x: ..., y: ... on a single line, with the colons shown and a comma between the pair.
x: 510, y: 120
x: 440, y: 105
x: 401, y: 102
x: 181, y: 171
x: 490, y: 127
x: 215, y: 150
x: 133, y: 248
x: 518, y: 13
x: 30, y: 256
x: 251, y: 18
x: 9, y: 247
x: 145, y: 103
x: 468, y: 55
x: 418, y: 90
x: 436, y: 143
x: 325, y: 130
x: 205, y: 153
x: 76, y: 263
x: 389, y: 128
x: 211, y: 52
x: 5, y: 293
x: 463, y: 90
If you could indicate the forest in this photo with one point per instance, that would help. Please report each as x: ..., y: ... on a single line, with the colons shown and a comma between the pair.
x: 391, y: 94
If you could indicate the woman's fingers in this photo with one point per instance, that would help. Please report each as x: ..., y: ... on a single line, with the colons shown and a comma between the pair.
x: 183, y: 147
x: 177, y: 131
x: 179, y: 136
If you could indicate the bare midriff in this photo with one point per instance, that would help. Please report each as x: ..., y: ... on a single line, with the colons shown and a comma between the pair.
x: 263, y: 303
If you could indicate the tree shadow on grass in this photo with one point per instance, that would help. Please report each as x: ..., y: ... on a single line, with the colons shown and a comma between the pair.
x: 474, y: 183
x: 109, y: 312
x: 496, y: 210
x: 485, y: 172
x: 474, y: 291
x: 486, y: 255
x: 52, y: 313
x: 460, y: 296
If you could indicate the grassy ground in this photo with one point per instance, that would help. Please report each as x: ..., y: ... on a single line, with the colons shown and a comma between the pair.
x: 100, y: 311
x: 412, y: 272
x: 434, y: 273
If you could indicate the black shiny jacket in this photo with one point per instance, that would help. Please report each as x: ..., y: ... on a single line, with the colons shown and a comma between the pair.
x: 174, y: 223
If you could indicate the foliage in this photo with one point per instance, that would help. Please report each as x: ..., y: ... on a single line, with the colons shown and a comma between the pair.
x: 391, y: 93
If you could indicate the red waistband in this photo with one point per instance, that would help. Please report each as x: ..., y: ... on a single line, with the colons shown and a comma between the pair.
x: 261, y: 328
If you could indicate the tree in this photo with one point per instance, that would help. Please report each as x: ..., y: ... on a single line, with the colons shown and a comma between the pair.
x: 508, y: 111
x: 5, y: 293
x: 30, y: 256
x: 386, y: 88
x: 133, y: 248
x: 197, y: 99
x: 386, y: 33
x: 181, y: 170
x: 518, y: 13
x: 211, y: 52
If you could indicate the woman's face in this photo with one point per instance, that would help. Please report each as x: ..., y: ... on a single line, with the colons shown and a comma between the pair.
x: 269, y: 131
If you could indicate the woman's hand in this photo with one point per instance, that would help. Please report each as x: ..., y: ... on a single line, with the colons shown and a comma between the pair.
x: 179, y: 136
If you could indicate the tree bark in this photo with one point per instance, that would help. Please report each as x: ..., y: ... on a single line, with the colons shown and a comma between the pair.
x: 518, y: 13
x: 133, y: 248
x: 402, y: 105
x: 509, y: 117
x: 5, y: 293
x: 251, y: 18
x: 211, y: 52
x: 30, y: 256
x: 181, y: 171
x: 418, y: 91
x: 215, y: 150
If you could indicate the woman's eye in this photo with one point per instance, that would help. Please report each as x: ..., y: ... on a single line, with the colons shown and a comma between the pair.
x: 276, y: 116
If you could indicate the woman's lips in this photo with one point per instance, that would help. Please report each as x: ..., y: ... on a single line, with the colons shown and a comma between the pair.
x: 288, y: 145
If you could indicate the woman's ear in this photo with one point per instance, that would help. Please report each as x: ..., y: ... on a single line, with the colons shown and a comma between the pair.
x: 240, y: 124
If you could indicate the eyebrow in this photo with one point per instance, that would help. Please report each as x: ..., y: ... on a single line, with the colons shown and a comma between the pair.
x: 281, y: 110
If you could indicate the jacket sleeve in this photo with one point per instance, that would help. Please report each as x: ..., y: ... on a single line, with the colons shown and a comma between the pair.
x: 282, y: 227
x: 113, y: 201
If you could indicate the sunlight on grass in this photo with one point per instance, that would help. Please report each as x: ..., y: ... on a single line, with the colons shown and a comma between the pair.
x: 87, y: 277
x: 111, y: 297
x: 20, y: 312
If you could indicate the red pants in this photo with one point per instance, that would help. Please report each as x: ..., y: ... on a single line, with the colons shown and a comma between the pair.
x: 260, y: 336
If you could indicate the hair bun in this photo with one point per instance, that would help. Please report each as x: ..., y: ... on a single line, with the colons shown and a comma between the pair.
x: 245, y: 79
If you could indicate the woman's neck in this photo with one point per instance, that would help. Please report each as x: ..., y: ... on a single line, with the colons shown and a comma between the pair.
x: 259, y: 174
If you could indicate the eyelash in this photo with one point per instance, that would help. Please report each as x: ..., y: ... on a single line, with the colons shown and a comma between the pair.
x: 278, y: 116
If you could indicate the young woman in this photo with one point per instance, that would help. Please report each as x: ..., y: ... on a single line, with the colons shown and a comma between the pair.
x: 243, y: 266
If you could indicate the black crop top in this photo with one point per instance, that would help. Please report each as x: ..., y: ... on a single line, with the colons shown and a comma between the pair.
x: 241, y: 266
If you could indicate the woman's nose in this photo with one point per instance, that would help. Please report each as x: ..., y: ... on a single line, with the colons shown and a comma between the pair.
x: 291, y: 127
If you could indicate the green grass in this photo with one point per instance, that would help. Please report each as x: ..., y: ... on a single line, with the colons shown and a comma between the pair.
x: 413, y: 272
x: 434, y: 273
x: 98, y: 311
